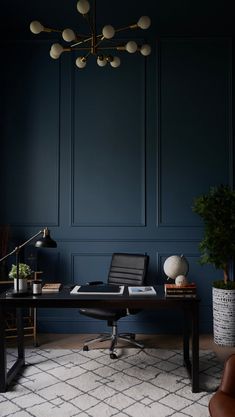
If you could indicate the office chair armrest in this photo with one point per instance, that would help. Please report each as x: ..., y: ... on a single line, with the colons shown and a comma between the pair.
x: 94, y: 283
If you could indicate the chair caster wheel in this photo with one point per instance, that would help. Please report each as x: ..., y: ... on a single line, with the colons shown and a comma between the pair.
x: 113, y: 356
x: 85, y: 348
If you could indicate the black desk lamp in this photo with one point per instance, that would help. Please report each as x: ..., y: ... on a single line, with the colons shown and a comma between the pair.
x: 44, y: 242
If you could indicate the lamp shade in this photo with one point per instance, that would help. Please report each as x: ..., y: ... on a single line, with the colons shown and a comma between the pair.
x: 46, y: 241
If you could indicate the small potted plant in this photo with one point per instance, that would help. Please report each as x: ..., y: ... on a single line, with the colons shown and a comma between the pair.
x: 24, y: 273
x: 217, y: 209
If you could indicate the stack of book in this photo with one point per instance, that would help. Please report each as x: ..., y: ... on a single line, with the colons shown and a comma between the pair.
x: 186, y: 290
x: 51, y: 287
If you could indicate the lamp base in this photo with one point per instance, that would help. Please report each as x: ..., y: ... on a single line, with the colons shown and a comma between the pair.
x: 20, y: 293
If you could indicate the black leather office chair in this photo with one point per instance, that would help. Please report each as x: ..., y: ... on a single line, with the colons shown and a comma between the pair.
x: 125, y: 269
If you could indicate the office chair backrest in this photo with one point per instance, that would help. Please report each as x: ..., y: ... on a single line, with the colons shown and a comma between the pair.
x: 128, y: 269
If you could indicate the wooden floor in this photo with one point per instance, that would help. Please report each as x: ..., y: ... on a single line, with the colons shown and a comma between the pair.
x: 75, y: 341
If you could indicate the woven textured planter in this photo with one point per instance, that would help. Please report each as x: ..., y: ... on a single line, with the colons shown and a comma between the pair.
x: 224, y: 316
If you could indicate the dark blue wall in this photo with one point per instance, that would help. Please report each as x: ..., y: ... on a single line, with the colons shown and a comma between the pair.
x: 111, y: 159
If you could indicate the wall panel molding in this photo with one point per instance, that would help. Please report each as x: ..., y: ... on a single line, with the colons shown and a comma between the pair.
x: 191, y: 130
x: 101, y: 266
x: 102, y: 178
x: 31, y: 127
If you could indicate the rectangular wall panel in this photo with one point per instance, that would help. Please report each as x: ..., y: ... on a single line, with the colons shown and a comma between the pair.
x: 194, y: 127
x: 87, y: 267
x: 108, y: 150
x: 30, y: 134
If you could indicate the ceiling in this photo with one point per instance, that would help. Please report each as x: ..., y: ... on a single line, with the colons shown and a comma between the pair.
x: 169, y: 17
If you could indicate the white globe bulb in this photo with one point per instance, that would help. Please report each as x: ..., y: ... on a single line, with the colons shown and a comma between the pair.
x: 83, y: 6
x: 80, y: 62
x: 144, y: 22
x: 52, y: 55
x: 175, y: 265
x: 131, y: 47
x: 145, y: 50
x: 56, y: 50
x: 36, y: 27
x: 101, y: 61
x: 108, y: 32
x: 68, y: 35
x: 115, y: 62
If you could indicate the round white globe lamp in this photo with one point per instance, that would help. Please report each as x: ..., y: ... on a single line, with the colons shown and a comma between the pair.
x: 145, y: 50
x: 144, y: 22
x: 115, y: 63
x: 81, y: 62
x: 101, y: 61
x: 108, y: 32
x: 68, y: 35
x: 54, y: 56
x: 83, y: 6
x: 36, y: 27
x: 131, y: 47
x: 56, y: 50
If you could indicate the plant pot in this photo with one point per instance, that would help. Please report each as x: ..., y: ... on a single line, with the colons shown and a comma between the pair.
x: 23, y: 284
x: 224, y: 316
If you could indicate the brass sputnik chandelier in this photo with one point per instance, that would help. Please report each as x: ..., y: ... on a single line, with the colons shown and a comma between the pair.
x: 98, y: 45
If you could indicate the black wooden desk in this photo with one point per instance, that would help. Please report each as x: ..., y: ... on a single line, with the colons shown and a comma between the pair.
x: 63, y: 299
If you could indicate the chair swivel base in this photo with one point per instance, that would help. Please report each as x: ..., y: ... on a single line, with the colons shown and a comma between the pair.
x: 127, y: 337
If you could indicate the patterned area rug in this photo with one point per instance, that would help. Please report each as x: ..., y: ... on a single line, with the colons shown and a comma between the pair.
x: 140, y: 383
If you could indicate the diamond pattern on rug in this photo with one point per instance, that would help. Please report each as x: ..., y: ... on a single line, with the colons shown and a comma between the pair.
x: 72, y: 383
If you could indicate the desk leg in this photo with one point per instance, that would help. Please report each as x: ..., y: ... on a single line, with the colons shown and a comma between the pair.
x: 7, y: 377
x: 3, y: 360
x: 187, y: 362
x: 35, y: 340
x: 195, y: 348
x: 20, y: 334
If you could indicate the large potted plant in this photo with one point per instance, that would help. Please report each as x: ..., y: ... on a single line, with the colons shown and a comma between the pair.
x: 24, y: 274
x: 217, y: 209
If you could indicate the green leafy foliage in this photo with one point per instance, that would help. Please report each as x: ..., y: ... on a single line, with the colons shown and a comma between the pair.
x: 217, y: 209
x: 24, y: 271
x: 230, y: 285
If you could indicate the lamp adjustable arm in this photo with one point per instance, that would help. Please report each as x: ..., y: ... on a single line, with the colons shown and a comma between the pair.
x: 9, y: 254
x: 18, y: 248
x: 44, y: 242
x: 30, y: 239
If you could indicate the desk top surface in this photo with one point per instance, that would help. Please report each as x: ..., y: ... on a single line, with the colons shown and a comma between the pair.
x: 63, y: 298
